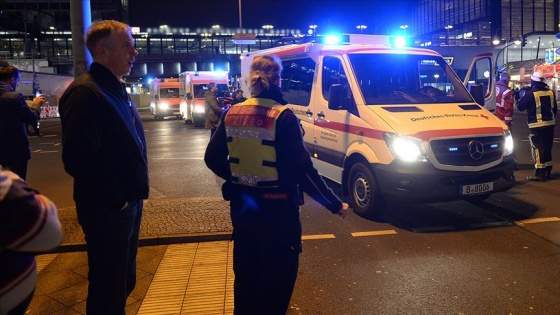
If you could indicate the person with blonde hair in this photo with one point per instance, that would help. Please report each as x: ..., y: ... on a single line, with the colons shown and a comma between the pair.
x: 258, y: 149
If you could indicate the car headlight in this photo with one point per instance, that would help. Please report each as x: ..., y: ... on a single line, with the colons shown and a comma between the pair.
x: 405, y: 148
x: 163, y: 106
x: 198, y: 109
x: 508, y: 143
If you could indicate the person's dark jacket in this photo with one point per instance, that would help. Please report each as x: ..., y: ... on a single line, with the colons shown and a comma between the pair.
x: 15, y: 115
x: 295, y: 168
x: 548, y: 109
x: 28, y: 225
x: 103, y: 142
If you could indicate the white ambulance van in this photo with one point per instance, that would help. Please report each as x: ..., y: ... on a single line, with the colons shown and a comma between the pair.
x: 393, y: 124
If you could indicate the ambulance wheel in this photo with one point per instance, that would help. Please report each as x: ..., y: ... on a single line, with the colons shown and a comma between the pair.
x: 364, y: 193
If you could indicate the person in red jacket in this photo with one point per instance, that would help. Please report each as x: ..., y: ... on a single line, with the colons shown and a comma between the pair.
x: 505, y: 100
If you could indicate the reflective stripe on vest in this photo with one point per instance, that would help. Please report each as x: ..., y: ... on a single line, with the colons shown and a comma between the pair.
x: 251, y: 132
x: 540, y: 96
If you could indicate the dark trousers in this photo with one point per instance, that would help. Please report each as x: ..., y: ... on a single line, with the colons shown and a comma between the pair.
x: 112, y: 244
x: 266, y: 248
x: 541, y: 144
x: 265, y: 274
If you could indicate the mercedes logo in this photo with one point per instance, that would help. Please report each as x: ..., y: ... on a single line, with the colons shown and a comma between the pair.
x: 476, y: 149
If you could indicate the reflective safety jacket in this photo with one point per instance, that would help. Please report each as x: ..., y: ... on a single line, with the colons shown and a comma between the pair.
x: 540, y: 104
x: 504, y: 103
x: 251, y: 131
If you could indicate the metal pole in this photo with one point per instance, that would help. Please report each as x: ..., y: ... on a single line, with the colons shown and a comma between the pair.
x: 80, y: 19
x: 538, y: 47
x: 240, y: 24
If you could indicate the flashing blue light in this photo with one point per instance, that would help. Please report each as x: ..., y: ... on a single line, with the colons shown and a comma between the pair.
x: 454, y: 149
x: 150, y: 80
x: 494, y: 145
x: 332, y: 39
x: 400, y: 42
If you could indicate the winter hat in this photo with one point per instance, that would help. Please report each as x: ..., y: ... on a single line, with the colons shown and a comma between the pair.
x: 537, y: 76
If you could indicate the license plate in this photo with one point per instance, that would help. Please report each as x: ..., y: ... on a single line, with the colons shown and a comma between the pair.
x: 476, y: 189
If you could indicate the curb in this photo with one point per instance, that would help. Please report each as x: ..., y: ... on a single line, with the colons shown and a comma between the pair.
x: 154, y: 241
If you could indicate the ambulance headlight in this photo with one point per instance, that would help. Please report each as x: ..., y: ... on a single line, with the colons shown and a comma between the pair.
x: 508, y: 143
x: 198, y: 109
x: 404, y: 148
x: 163, y: 106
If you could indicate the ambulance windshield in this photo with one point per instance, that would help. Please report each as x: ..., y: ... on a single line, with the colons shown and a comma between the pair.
x: 169, y: 92
x: 407, y: 79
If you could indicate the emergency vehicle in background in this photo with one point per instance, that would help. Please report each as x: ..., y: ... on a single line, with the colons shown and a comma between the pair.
x: 164, y: 98
x: 193, y: 86
x: 391, y: 123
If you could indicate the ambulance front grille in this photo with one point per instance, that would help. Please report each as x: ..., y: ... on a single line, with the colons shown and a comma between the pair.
x: 472, y: 151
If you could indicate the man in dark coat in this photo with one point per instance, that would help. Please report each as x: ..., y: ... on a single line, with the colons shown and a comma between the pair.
x: 104, y: 150
x: 15, y: 115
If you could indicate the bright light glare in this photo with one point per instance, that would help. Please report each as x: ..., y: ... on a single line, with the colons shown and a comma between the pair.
x: 163, y: 105
x: 400, y: 42
x: 405, y: 148
x: 332, y: 39
x: 199, y: 109
x: 508, y: 144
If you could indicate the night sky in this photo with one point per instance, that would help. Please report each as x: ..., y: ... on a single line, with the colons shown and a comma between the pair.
x: 329, y: 15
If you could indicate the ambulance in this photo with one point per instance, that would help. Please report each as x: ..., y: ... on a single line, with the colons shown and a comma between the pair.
x: 194, y: 85
x: 390, y: 123
x: 164, y: 98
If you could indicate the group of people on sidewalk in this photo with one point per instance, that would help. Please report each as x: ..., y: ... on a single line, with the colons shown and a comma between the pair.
x: 540, y: 103
x: 104, y: 150
x: 256, y: 147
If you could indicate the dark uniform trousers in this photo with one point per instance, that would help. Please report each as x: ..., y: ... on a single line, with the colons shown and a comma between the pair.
x: 267, y: 244
x: 541, y: 142
x: 112, y: 244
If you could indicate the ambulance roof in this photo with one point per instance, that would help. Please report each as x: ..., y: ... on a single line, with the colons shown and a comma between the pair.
x: 323, y: 49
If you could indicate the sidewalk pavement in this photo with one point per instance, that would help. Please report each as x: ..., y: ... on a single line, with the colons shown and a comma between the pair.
x: 184, y: 262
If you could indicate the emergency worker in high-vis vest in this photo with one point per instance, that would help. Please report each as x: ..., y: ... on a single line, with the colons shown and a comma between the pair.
x: 540, y: 103
x: 258, y: 149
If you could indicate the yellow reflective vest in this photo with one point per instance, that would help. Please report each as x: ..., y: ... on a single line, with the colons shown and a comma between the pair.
x: 539, y: 96
x: 251, y: 132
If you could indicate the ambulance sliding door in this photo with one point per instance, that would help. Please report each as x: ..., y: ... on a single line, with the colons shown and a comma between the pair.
x: 331, y: 127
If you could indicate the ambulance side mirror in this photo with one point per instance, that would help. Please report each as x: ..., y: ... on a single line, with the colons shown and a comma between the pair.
x: 336, y: 100
x: 477, y: 92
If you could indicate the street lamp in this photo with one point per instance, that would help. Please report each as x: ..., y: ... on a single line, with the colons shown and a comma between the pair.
x: 267, y: 27
x: 361, y: 27
x: 312, y: 30
x: 517, y: 41
x: 447, y: 28
x: 497, y: 40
